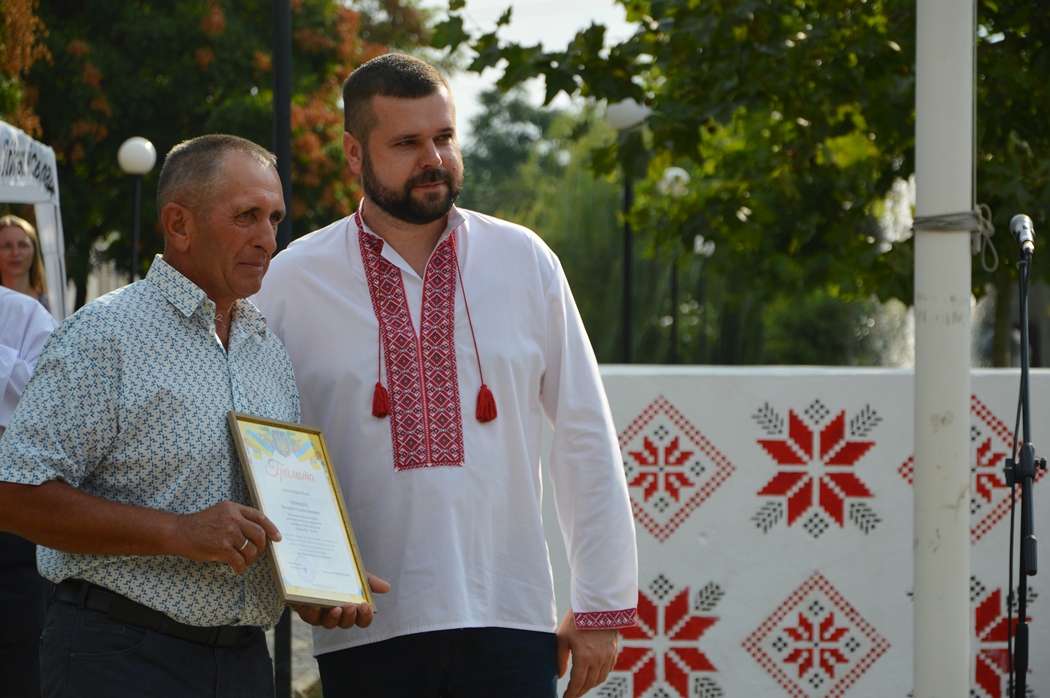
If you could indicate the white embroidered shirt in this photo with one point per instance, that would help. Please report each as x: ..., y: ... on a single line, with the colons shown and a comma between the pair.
x: 445, y: 507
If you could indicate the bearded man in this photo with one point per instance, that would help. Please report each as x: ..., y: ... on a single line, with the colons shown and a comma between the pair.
x: 430, y: 343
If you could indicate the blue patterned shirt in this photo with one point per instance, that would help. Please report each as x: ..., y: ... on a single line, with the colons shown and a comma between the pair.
x: 128, y: 403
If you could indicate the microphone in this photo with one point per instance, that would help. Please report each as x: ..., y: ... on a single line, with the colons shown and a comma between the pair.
x: 1023, y: 232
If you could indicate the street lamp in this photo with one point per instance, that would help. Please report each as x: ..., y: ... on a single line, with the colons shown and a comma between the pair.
x: 674, y: 183
x: 703, y: 249
x: 624, y: 116
x: 137, y: 157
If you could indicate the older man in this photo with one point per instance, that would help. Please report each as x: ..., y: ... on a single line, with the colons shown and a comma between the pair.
x: 431, y: 343
x: 119, y: 463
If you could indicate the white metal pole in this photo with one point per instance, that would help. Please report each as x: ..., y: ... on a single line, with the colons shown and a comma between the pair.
x: 943, y: 168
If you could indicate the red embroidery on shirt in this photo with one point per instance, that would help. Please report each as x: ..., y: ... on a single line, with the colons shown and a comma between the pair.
x: 599, y: 620
x: 426, y: 420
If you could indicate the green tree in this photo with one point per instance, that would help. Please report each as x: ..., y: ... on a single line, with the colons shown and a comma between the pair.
x: 21, y: 34
x: 524, y: 164
x: 574, y: 211
x: 1013, y: 140
x: 532, y: 166
x: 505, y: 135
x: 798, y: 117
x: 170, y: 70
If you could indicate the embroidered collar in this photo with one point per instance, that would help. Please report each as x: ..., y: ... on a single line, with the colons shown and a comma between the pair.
x: 423, y: 403
x: 455, y: 220
x: 426, y: 420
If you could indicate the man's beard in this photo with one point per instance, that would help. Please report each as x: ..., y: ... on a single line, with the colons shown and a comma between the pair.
x: 402, y: 204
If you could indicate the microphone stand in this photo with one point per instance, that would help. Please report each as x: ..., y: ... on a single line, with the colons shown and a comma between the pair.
x: 1022, y: 472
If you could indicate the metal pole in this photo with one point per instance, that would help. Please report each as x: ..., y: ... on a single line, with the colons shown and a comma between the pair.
x: 136, y: 199
x: 282, y: 148
x: 282, y: 656
x: 282, y: 110
x: 674, y: 310
x: 628, y: 309
x: 703, y: 316
x: 943, y: 169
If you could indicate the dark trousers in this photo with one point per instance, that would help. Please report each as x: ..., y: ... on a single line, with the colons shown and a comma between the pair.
x: 466, y: 663
x: 85, y: 654
x: 23, y: 600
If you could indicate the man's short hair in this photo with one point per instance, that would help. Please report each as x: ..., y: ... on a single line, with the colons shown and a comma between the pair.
x: 191, y: 171
x: 389, y: 75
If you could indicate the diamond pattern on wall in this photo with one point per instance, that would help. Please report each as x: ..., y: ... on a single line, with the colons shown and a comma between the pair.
x: 671, y: 468
x: 816, y: 645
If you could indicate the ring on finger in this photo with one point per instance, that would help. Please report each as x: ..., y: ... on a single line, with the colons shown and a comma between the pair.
x: 241, y: 549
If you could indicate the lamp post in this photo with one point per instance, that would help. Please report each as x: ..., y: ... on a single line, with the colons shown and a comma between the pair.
x: 674, y: 184
x: 282, y: 148
x: 624, y: 116
x: 136, y: 157
x: 704, y: 249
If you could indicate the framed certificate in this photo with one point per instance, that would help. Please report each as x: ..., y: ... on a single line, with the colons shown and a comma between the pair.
x: 291, y: 480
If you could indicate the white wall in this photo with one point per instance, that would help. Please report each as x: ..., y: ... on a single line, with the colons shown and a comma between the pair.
x: 750, y: 557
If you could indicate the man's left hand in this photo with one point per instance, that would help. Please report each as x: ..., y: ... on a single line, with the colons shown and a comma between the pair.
x: 593, y: 655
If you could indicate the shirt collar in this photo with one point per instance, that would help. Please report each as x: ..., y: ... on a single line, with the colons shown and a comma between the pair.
x: 188, y: 297
x: 455, y: 219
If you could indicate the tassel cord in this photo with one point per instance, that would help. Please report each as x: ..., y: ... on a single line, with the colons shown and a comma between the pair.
x: 486, y: 409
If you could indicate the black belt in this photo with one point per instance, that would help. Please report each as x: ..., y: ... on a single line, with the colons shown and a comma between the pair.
x: 83, y: 594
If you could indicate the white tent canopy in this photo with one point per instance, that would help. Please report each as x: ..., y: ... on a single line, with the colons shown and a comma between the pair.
x: 28, y: 176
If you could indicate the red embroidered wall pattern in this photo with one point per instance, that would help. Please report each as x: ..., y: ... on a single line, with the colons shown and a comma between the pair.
x: 991, y: 629
x: 816, y: 468
x: 816, y: 645
x: 671, y: 468
x: 661, y: 656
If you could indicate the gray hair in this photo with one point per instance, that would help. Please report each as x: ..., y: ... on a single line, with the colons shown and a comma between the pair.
x: 192, y: 169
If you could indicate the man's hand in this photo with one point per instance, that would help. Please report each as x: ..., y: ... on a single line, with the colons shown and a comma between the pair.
x: 344, y: 616
x: 593, y: 655
x: 226, y: 532
x: 56, y: 515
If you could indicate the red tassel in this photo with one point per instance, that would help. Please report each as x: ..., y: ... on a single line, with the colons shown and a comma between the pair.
x: 381, y: 402
x: 486, y: 405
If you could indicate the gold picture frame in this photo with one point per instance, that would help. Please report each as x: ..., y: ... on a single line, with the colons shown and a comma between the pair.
x: 291, y: 480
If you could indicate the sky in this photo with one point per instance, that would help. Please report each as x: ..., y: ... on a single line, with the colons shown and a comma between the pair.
x: 552, y: 23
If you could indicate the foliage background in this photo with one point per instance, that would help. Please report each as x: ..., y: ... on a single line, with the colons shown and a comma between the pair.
x: 169, y: 70
x: 794, y: 121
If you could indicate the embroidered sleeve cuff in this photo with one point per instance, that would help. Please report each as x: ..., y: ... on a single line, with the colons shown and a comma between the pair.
x: 602, y: 620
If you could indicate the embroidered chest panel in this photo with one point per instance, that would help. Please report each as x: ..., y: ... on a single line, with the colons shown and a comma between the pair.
x: 426, y: 420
